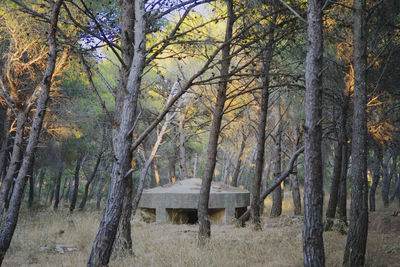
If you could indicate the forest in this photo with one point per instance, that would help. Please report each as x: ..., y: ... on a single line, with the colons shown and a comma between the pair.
x: 295, y: 101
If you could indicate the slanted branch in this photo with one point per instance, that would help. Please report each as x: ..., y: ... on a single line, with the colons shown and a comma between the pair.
x: 246, y: 216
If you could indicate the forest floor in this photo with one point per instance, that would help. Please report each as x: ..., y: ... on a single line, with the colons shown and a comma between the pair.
x: 43, y: 237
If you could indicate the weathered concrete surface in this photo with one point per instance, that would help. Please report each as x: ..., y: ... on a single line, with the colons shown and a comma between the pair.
x: 225, y: 201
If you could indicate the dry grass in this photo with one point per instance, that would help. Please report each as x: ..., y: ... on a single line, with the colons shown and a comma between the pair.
x: 279, y: 244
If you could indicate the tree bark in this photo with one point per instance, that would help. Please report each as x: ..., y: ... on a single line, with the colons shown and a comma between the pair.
x: 122, y: 135
x: 313, y: 245
x: 74, y: 193
x: 123, y: 241
x: 11, y: 218
x: 376, y: 175
x: 202, y: 213
x: 354, y: 254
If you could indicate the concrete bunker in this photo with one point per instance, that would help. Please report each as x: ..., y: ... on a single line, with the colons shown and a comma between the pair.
x: 177, y: 202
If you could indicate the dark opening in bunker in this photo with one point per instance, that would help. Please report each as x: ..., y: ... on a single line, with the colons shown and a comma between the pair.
x: 182, y: 216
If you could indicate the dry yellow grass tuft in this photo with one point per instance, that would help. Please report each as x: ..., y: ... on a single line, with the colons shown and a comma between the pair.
x: 279, y: 244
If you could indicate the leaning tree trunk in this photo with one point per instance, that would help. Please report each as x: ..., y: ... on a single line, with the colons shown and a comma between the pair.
x: 313, y: 245
x: 14, y: 161
x: 204, y: 222
x: 376, y: 175
x: 11, y: 218
x: 74, y: 194
x: 354, y: 254
x: 149, y: 161
x: 133, y: 13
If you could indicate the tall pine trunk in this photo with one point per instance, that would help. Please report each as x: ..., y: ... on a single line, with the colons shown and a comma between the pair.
x: 204, y: 221
x: 313, y: 245
x: 262, y: 122
x: 354, y: 254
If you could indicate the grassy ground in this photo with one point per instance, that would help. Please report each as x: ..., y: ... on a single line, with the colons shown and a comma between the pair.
x: 279, y: 244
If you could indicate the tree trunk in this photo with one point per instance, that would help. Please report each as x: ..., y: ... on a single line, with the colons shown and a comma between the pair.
x: 276, y: 209
x: 262, y: 122
x: 204, y: 222
x: 172, y: 158
x: 90, y: 180
x: 123, y: 241
x: 31, y: 193
x: 149, y: 161
x: 182, y: 149
x: 196, y: 157
x: 74, y: 193
x: 41, y: 180
x: 14, y: 161
x: 68, y: 194
x: 100, y: 192
x: 333, y: 197
x: 376, y: 175
x: 354, y: 254
x: 396, y: 189
x: 102, y: 186
x: 16, y: 199
x: 58, y: 186
x: 294, y: 177
x: 313, y: 246
x: 387, y: 176
x: 122, y: 135
x: 4, y: 141
x: 249, y: 167
x: 239, y: 160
